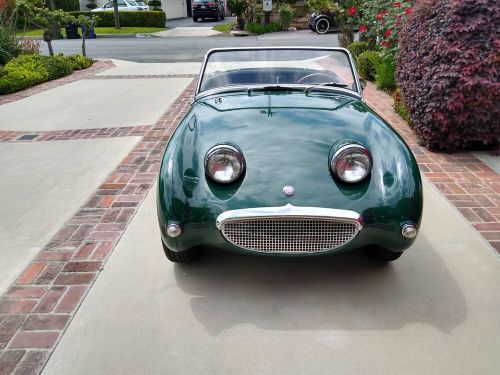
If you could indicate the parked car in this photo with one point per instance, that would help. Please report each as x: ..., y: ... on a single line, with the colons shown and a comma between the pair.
x: 321, y: 22
x: 123, y: 5
x: 208, y: 9
x: 280, y: 155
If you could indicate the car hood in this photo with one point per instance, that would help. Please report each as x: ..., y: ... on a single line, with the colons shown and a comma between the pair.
x: 286, y: 139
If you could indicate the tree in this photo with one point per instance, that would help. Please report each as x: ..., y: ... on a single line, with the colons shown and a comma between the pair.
x: 38, y: 15
x: 88, y: 23
x: 238, y: 7
x: 117, y: 14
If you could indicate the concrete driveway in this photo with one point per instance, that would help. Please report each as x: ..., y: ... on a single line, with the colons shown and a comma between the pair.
x: 86, y: 288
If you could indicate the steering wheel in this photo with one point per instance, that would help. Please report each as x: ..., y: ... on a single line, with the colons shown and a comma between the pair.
x: 315, y: 74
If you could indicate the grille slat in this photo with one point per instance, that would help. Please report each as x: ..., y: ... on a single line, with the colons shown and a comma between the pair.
x: 289, y: 235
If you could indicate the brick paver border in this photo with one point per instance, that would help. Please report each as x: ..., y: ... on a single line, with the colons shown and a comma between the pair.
x: 62, y: 135
x: 97, y: 67
x: 142, y: 76
x: 469, y: 184
x: 38, y: 307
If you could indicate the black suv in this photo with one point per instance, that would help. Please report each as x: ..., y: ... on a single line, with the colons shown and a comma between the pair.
x: 208, y: 9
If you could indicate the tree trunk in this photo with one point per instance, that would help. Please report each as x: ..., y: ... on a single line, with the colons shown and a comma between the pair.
x: 49, y: 44
x: 83, y: 43
x: 117, y: 14
x: 52, y: 5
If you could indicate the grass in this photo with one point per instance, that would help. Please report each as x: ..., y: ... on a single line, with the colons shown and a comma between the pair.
x: 103, y: 30
x: 224, y: 27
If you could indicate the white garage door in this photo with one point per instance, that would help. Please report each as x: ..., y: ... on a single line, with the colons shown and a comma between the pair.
x: 174, y: 8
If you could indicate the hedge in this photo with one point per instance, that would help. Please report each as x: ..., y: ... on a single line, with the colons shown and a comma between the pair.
x: 447, y: 70
x: 29, y: 70
x: 67, y: 5
x: 129, y: 19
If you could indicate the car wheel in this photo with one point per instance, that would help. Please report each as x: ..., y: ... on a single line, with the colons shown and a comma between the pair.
x: 186, y: 256
x: 222, y: 16
x: 322, y: 26
x: 195, y: 19
x: 382, y: 255
x: 217, y: 18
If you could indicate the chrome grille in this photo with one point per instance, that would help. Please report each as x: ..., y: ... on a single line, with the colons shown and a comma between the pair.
x: 289, y: 235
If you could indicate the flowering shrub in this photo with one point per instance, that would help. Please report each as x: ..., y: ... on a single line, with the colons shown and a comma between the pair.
x: 382, y: 21
x: 449, y: 77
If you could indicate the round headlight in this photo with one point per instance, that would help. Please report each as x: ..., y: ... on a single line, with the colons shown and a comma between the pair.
x: 224, y: 163
x: 351, y: 163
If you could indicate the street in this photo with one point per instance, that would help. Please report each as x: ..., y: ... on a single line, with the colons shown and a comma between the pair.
x: 156, y: 49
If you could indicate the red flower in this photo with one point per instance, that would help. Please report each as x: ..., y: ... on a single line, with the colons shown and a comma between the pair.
x: 385, y: 43
x: 408, y: 10
x: 397, y: 4
x: 380, y: 16
x: 352, y: 11
x: 388, y: 33
x: 362, y: 28
x: 398, y: 22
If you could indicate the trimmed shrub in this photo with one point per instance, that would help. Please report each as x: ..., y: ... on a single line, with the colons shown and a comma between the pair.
x: 29, y: 70
x: 449, y: 79
x: 385, y: 77
x: 67, y: 5
x: 257, y: 28
x: 129, y: 19
x: 286, y: 16
x: 79, y: 62
x: 367, y: 64
x: 357, y: 48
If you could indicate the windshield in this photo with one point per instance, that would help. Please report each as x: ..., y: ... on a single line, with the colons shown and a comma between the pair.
x: 277, y: 67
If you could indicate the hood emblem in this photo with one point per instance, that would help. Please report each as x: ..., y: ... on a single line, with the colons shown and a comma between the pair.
x: 218, y: 100
x: 288, y: 191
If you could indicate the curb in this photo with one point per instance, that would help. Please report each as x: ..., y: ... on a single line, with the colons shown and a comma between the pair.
x: 101, y: 36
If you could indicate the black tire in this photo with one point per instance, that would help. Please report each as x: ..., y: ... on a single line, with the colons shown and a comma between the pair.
x: 380, y: 254
x: 322, y: 26
x: 217, y: 17
x: 195, y: 18
x: 186, y: 256
x: 222, y: 16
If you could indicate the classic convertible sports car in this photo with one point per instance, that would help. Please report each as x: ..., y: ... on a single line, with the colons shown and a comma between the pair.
x: 279, y: 155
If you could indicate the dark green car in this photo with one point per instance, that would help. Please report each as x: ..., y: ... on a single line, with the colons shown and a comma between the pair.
x: 279, y: 155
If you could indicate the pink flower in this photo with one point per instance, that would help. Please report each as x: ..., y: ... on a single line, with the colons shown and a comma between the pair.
x: 408, y: 11
x: 380, y: 16
x: 388, y: 33
x: 397, y: 4
x: 362, y: 28
x: 352, y: 11
x: 385, y: 43
x: 398, y: 22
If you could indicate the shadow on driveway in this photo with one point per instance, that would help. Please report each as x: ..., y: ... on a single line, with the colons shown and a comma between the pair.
x: 341, y: 292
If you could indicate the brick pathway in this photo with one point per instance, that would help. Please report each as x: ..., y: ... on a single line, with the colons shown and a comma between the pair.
x: 468, y: 183
x: 36, y: 310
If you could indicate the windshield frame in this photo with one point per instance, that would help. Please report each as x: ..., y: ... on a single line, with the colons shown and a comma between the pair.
x: 198, y: 93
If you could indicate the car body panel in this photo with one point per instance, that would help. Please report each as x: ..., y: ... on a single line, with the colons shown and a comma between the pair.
x: 286, y: 138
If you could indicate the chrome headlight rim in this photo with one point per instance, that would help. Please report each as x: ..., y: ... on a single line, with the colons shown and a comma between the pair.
x: 228, y: 148
x: 345, y: 149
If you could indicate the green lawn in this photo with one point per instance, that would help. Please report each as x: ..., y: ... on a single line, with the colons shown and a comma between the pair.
x: 224, y: 28
x: 104, y: 30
